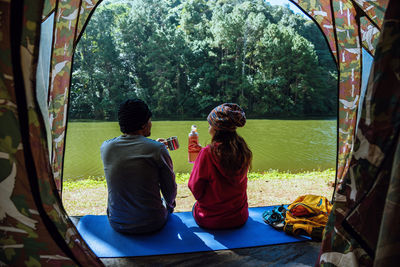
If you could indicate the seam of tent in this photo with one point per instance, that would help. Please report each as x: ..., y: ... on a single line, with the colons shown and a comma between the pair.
x: 337, y: 102
x: 51, y: 59
x: 358, y: 16
x: 83, y: 29
x: 337, y: 62
x: 358, y: 8
x: 15, y: 39
x: 337, y: 138
x: 48, y: 15
x: 373, y: 23
x: 361, y: 13
x: 49, y: 86
x: 66, y: 125
x: 69, y: 88
x: 68, y: 101
x: 335, y: 59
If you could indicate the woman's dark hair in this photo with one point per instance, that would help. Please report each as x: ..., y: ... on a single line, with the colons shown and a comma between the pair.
x: 132, y: 115
x: 232, y: 151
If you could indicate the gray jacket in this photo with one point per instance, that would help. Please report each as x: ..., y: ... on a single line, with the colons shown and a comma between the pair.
x: 136, y: 169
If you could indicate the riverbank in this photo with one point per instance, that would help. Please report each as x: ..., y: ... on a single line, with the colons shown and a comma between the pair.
x: 89, y: 196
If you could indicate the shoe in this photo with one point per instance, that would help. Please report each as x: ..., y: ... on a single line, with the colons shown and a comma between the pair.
x: 275, y: 217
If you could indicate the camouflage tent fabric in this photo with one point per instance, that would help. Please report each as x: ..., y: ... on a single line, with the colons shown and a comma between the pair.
x: 363, y: 228
x: 70, y: 19
x: 34, y: 228
x: 348, y: 27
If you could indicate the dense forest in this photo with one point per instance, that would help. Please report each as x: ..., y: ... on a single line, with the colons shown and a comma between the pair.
x: 184, y: 57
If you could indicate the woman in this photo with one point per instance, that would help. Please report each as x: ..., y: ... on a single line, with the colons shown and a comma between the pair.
x: 219, y: 177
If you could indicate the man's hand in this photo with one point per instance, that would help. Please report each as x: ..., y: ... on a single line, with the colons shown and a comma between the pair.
x: 171, y: 209
x: 162, y: 140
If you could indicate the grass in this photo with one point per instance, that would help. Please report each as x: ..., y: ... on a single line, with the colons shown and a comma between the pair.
x: 89, y: 196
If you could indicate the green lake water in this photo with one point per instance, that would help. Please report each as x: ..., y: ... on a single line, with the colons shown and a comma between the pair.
x: 285, y: 145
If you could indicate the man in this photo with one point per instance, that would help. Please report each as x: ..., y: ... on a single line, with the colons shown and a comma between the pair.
x: 136, y: 169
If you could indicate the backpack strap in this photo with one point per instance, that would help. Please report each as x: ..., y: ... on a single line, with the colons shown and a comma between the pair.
x: 304, y: 229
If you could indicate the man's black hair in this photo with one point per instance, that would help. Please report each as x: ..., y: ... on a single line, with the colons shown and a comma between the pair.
x: 132, y: 115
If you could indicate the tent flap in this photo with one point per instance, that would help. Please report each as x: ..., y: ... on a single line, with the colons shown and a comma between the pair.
x: 34, y: 230
x: 49, y: 7
x: 369, y: 35
x: 346, y: 34
x: 363, y: 225
x: 70, y: 19
x: 322, y: 13
x: 20, y: 212
x: 375, y: 10
x: 87, y: 9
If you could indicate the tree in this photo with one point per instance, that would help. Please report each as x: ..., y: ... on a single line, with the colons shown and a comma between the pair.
x: 99, y: 80
x: 183, y: 57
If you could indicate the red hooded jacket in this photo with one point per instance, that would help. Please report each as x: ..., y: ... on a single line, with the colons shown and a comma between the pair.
x: 221, y: 198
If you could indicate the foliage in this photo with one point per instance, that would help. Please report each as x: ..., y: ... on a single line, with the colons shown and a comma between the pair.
x: 326, y: 175
x: 185, y: 57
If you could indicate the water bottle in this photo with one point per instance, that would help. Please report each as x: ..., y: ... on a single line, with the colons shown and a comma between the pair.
x: 193, y: 144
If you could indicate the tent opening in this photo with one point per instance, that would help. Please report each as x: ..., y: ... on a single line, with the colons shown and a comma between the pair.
x: 183, y: 60
x: 36, y: 230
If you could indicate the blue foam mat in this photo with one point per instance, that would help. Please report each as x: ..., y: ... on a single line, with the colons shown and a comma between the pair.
x: 181, y: 234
